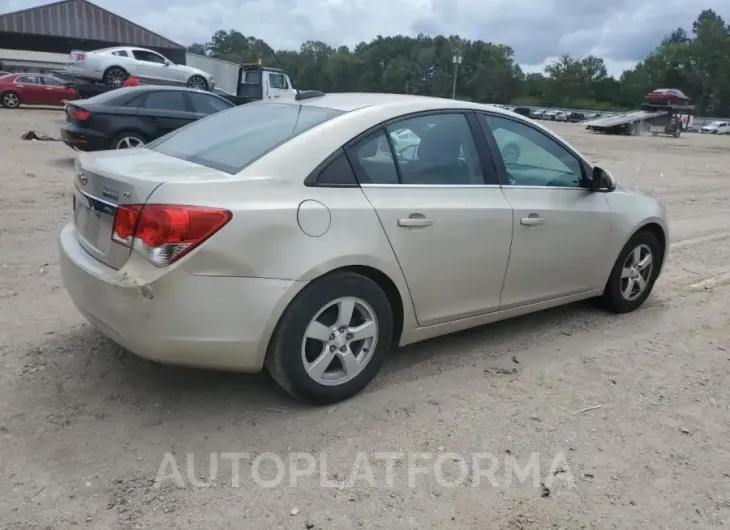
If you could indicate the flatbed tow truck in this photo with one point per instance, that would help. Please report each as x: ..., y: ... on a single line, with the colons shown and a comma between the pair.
x: 664, y: 111
x: 255, y: 82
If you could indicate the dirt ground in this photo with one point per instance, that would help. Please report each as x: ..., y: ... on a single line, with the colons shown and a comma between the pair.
x: 627, y: 416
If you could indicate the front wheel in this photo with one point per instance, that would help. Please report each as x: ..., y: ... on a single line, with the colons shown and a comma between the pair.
x: 332, y: 339
x: 198, y: 82
x: 633, y: 274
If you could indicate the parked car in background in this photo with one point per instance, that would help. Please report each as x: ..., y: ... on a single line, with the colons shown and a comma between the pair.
x: 113, y: 65
x: 593, y: 116
x: 208, y: 248
x: 33, y: 89
x: 561, y: 115
x: 716, y: 127
x: 550, y: 115
x: 523, y: 111
x: 131, y: 117
x: 537, y: 114
x: 576, y: 117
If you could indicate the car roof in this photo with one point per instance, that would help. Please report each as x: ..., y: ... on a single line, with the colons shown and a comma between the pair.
x: 156, y: 88
x: 350, y: 101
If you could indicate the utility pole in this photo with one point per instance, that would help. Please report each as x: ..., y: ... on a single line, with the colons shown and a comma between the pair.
x: 456, y: 59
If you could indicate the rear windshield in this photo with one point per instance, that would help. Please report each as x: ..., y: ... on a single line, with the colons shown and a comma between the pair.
x: 231, y: 140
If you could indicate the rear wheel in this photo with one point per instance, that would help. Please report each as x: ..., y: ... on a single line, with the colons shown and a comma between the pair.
x: 115, y: 76
x: 128, y: 140
x: 198, y: 82
x: 633, y: 274
x: 332, y: 339
x: 10, y: 100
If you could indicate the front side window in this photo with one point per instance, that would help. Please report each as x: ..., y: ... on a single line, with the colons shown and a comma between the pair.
x: 148, y: 57
x: 277, y: 81
x: 531, y: 157
x: 231, y: 140
x: 50, y: 81
x: 205, y: 104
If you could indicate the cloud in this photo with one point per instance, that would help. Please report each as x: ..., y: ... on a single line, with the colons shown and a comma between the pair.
x: 621, y: 31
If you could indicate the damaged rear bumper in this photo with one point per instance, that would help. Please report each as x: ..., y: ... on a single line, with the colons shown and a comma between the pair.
x: 178, y: 318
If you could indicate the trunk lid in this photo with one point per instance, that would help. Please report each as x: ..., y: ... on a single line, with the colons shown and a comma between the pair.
x: 108, y: 179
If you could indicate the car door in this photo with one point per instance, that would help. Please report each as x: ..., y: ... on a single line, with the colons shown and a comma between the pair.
x: 30, y: 90
x: 560, y: 225
x: 55, y: 92
x: 278, y: 87
x: 166, y: 111
x: 152, y: 67
x: 446, y: 218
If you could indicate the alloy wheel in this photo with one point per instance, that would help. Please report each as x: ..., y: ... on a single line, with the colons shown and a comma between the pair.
x: 11, y: 100
x: 197, y: 83
x: 129, y: 142
x: 636, y: 272
x: 339, y: 341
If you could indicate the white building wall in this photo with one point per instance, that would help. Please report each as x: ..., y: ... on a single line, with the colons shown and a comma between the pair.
x: 224, y: 73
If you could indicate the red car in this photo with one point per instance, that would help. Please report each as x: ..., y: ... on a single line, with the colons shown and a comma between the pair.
x: 33, y: 89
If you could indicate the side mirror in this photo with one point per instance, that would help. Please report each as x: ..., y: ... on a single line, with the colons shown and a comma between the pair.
x: 602, y: 180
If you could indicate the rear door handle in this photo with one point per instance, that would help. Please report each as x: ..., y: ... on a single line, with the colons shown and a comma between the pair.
x: 417, y: 222
x: 532, y: 220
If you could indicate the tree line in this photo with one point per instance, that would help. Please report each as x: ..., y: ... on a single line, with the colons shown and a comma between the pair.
x: 696, y: 62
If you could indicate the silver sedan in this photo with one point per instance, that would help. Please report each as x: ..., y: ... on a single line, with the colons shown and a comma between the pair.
x: 294, y: 236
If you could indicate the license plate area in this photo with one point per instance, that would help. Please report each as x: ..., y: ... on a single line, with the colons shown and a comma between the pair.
x: 93, y: 220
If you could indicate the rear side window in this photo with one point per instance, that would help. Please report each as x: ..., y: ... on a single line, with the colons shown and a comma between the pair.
x: 165, y: 100
x: 229, y: 141
x: 205, y: 104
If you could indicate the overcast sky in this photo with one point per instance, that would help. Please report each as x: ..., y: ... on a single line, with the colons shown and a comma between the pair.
x: 620, y: 31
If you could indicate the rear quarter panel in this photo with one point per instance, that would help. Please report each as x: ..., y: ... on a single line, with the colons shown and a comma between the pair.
x: 264, y: 238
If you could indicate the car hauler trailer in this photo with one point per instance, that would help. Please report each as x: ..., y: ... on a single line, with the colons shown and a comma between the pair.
x: 657, y: 116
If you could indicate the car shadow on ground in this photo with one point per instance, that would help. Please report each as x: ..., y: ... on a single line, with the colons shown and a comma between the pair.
x: 81, y: 373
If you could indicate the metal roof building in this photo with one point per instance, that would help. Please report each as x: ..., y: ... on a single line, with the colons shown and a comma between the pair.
x: 78, y: 25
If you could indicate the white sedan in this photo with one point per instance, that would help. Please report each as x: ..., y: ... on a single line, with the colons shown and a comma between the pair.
x: 274, y: 234
x: 113, y: 65
x: 716, y: 127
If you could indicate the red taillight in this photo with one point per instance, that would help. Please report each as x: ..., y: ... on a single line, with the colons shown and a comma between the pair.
x: 79, y: 57
x: 164, y: 233
x: 79, y: 115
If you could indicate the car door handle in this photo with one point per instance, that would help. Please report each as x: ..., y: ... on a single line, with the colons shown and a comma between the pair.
x: 417, y: 222
x: 532, y: 220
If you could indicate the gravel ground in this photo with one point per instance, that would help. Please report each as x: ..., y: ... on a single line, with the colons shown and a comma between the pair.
x: 626, y: 416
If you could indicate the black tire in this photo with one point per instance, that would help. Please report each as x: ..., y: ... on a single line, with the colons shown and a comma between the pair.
x: 284, y: 357
x: 10, y: 100
x: 199, y: 82
x: 612, y: 299
x: 115, y: 76
x: 121, y: 136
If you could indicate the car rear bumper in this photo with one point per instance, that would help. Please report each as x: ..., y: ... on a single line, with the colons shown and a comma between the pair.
x: 84, y: 139
x: 180, y: 318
